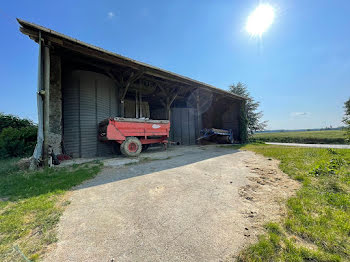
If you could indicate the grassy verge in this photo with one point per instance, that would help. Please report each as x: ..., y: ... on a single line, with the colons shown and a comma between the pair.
x: 317, y: 226
x: 31, y: 204
x: 307, y: 137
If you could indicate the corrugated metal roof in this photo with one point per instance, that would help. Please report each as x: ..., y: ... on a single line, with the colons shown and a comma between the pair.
x: 29, y: 25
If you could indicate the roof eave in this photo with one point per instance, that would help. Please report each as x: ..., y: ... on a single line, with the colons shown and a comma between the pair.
x: 189, y: 81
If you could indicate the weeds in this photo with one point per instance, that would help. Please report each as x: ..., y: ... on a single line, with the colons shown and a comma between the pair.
x: 319, y: 214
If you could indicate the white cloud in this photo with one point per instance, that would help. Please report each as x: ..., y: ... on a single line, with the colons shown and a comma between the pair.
x: 110, y: 15
x: 299, y: 114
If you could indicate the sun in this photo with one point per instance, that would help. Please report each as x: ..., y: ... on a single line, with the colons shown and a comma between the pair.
x: 260, y: 19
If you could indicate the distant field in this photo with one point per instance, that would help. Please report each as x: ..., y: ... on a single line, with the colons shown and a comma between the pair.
x: 306, y: 137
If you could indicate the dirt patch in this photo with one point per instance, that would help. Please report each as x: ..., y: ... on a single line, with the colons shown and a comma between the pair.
x: 264, y: 197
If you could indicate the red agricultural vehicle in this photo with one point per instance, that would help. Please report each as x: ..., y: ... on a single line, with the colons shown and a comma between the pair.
x: 134, y: 134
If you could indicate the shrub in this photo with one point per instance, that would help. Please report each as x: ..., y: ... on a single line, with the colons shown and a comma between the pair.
x: 17, y: 136
x: 17, y: 142
x: 13, y: 121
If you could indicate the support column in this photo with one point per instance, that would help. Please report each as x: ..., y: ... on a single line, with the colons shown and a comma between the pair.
x: 167, y: 108
x: 46, y: 103
x: 122, y: 108
x: 136, y: 105
x: 37, y: 154
x: 140, y: 100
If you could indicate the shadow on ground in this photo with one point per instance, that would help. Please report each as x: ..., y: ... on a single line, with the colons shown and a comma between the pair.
x: 157, y: 160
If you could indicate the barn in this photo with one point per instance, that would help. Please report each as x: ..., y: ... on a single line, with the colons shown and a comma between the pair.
x: 79, y: 85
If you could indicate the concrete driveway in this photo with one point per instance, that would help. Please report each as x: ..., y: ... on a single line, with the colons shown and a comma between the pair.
x: 200, y: 204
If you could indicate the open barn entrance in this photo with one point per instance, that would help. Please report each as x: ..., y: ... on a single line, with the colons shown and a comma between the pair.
x: 92, y: 92
x: 80, y: 85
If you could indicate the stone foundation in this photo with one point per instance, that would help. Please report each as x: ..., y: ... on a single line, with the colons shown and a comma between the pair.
x: 55, y: 125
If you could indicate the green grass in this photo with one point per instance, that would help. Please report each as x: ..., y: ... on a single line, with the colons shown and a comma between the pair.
x: 307, y: 137
x: 31, y: 205
x: 317, y: 225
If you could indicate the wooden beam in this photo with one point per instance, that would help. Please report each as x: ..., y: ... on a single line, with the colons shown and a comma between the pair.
x: 162, y: 90
x: 172, y: 99
x: 133, y: 77
x: 116, y: 81
x: 127, y: 86
x: 162, y: 102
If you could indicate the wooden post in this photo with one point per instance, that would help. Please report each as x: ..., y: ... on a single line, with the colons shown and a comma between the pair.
x: 122, y: 109
x: 140, y: 104
x: 136, y: 105
x: 168, y: 104
x: 133, y: 77
x: 169, y: 99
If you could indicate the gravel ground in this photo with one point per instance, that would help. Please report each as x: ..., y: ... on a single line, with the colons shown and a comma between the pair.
x: 204, y: 204
x: 311, y: 145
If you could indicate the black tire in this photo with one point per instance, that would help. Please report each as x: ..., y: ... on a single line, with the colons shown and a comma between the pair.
x: 122, y: 149
x: 116, y: 148
x: 145, y: 147
x: 131, y: 147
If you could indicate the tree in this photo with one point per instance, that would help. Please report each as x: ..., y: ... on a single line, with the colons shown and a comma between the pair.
x: 346, y: 119
x: 253, y: 116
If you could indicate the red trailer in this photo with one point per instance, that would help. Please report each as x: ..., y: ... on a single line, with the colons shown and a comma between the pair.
x: 134, y: 134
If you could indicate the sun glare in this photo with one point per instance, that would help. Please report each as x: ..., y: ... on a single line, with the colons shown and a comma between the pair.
x: 260, y: 19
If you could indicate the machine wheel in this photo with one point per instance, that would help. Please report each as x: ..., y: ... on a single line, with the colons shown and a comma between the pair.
x: 131, y: 147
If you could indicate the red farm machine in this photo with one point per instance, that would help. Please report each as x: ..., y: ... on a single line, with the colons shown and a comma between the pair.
x: 134, y: 134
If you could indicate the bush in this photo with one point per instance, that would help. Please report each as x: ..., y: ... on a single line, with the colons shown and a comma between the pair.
x: 13, y: 121
x: 17, y: 142
x: 17, y: 136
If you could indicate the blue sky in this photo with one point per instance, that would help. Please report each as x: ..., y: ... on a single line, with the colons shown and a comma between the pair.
x: 299, y: 70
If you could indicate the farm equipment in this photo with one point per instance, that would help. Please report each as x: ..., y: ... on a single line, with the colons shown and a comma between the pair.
x: 221, y: 136
x: 134, y: 134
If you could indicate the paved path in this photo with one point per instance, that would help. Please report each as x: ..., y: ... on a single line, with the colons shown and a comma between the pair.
x: 191, y: 207
x: 311, y: 145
